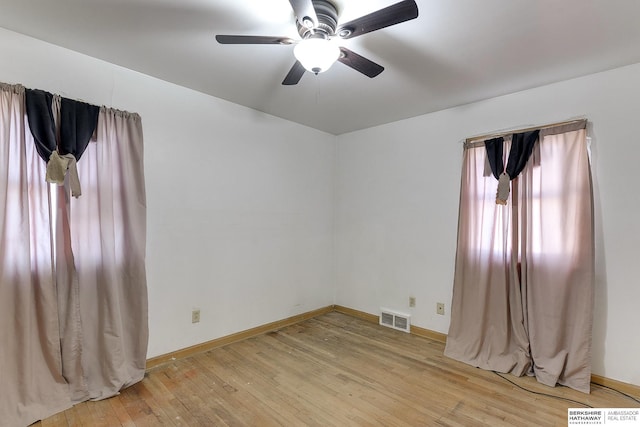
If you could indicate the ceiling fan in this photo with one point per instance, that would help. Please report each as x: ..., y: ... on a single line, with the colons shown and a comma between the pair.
x: 317, y: 23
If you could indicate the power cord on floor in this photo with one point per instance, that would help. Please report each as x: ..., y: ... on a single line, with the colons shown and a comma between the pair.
x: 564, y: 398
x: 617, y: 391
x: 542, y: 394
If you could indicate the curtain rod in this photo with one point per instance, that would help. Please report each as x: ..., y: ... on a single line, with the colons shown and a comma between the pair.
x: 529, y: 129
x: 18, y: 86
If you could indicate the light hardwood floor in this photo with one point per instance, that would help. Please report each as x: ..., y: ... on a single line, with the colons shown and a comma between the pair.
x: 332, y: 370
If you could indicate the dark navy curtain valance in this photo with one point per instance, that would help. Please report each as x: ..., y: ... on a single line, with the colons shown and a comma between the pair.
x: 78, y: 121
x: 521, y: 149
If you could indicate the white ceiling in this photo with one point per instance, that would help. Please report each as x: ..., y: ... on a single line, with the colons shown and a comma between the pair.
x: 455, y: 52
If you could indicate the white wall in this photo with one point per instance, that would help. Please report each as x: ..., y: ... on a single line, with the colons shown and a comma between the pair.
x: 239, y: 202
x: 244, y: 230
x: 397, y: 206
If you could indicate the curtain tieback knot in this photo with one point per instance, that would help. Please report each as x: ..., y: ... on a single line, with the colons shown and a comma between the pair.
x: 57, y: 168
x: 503, y: 189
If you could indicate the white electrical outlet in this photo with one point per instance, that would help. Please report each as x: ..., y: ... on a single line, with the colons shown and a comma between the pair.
x: 195, y: 315
x: 440, y: 308
x: 412, y: 301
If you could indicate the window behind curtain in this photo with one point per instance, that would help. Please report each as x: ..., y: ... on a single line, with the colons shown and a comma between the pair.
x: 523, y: 286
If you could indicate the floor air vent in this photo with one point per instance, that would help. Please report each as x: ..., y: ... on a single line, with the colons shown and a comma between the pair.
x: 395, y: 320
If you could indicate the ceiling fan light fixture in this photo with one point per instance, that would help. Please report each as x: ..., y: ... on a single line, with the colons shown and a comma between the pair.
x: 316, y: 54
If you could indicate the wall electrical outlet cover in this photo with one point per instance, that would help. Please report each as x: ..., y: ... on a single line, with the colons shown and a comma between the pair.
x: 440, y: 308
x: 195, y: 315
x: 412, y: 301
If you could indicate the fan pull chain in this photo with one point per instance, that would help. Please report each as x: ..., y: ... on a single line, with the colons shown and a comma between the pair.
x: 316, y: 78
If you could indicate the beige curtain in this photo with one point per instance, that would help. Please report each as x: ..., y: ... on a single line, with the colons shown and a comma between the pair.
x: 32, y: 386
x: 523, y: 287
x: 73, y: 308
x: 108, y: 237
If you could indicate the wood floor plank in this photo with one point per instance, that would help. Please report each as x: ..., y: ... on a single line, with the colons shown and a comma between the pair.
x: 120, y: 412
x: 55, y: 420
x: 332, y: 370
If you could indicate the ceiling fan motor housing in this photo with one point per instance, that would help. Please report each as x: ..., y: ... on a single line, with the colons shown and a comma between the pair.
x: 327, y: 15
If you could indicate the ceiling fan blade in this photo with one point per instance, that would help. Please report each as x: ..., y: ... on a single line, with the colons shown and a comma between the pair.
x: 304, y: 11
x: 294, y: 75
x: 225, y: 39
x: 359, y: 63
x: 394, y: 14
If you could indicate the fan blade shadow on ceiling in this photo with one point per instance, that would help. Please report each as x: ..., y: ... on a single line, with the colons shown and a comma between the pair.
x: 412, y: 64
x: 359, y: 63
x: 392, y: 15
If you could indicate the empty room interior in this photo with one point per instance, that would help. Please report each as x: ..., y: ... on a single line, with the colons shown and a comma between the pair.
x: 202, y: 226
